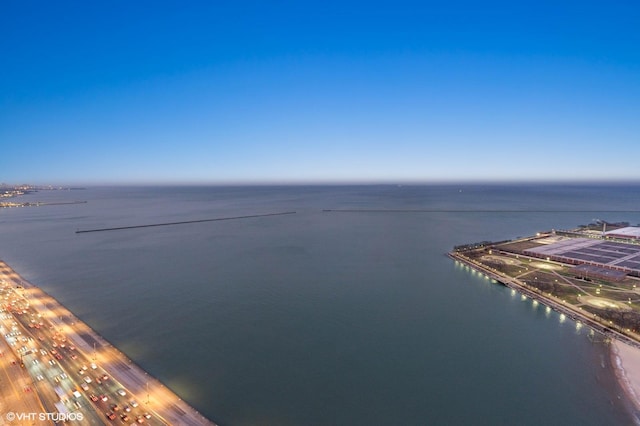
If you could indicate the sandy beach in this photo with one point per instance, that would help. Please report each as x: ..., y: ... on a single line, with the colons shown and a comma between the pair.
x: 626, y: 360
x: 625, y: 357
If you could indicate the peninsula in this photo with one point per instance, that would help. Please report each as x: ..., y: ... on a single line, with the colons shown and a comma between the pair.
x: 590, y: 274
x: 11, y: 191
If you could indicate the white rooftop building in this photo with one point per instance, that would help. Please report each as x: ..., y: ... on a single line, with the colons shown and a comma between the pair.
x: 628, y: 232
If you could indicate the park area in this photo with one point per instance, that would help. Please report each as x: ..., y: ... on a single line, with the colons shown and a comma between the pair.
x: 616, y: 301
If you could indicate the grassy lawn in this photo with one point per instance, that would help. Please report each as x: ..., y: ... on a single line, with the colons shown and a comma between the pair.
x: 561, y: 282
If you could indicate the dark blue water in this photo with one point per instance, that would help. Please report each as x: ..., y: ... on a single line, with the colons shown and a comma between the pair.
x: 343, y: 318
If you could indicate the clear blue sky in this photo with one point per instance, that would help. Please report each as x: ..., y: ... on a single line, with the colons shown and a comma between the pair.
x: 277, y: 91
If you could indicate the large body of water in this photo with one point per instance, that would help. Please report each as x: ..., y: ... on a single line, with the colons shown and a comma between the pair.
x: 339, y: 318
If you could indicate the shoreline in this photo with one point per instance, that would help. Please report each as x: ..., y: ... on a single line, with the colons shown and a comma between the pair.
x: 162, y: 400
x: 554, y: 303
x: 626, y: 364
x: 624, y: 353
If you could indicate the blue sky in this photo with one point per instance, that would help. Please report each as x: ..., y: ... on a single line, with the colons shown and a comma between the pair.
x: 276, y: 92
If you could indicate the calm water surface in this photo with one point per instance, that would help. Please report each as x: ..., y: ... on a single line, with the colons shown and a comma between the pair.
x: 341, y: 318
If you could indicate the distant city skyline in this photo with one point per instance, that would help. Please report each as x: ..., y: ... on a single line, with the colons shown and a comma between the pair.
x: 344, y: 92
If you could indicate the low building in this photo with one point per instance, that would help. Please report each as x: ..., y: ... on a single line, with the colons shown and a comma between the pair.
x: 599, y: 273
x: 629, y: 232
x: 610, y: 255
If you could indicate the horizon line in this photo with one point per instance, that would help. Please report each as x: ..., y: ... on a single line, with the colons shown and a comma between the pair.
x: 372, y: 182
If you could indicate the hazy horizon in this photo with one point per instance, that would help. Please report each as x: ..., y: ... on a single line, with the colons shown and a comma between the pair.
x: 329, y: 183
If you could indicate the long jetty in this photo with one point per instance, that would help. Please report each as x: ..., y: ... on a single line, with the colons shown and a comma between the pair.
x: 471, y: 211
x: 118, y: 228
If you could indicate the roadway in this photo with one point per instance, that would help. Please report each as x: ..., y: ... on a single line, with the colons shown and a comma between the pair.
x: 16, y: 386
x: 72, y: 369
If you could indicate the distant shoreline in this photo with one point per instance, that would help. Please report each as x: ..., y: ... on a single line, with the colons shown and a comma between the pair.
x: 8, y: 205
x: 9, y: 191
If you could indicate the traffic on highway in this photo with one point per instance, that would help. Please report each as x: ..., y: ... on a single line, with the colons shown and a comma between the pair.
x: 65, y: 379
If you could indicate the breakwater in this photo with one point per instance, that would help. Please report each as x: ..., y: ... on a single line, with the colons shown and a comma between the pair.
x: 118, y: 228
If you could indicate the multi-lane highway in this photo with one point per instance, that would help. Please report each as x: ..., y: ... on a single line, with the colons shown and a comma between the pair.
x: 16, y: 386
x: 53, y: 366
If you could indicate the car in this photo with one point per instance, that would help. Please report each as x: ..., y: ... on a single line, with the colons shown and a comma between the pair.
x: 140, y: 419
x: 93, y: 365
x: 110, y: 416
x: 39, y: 377
x: 147, y: 415
x: 121, y: 392
x: 84, y: 367
x: 98, y: 380
x: 84, y: 386
x: 114, y: 407
x: 124, y: 417
x: 87, y: 379
x: 52, y: 361
x: 105, y: 377
x: 93, y: 397
x: 133, y: 403
x: 127, y: 408
x: 104, y: 398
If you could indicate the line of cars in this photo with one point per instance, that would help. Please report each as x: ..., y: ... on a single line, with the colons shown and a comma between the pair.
x: 55, y: 355
x: 124, y: 412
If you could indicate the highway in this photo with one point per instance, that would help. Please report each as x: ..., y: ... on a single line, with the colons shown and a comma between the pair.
x: 70, y: 369
x: 16, y: 386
